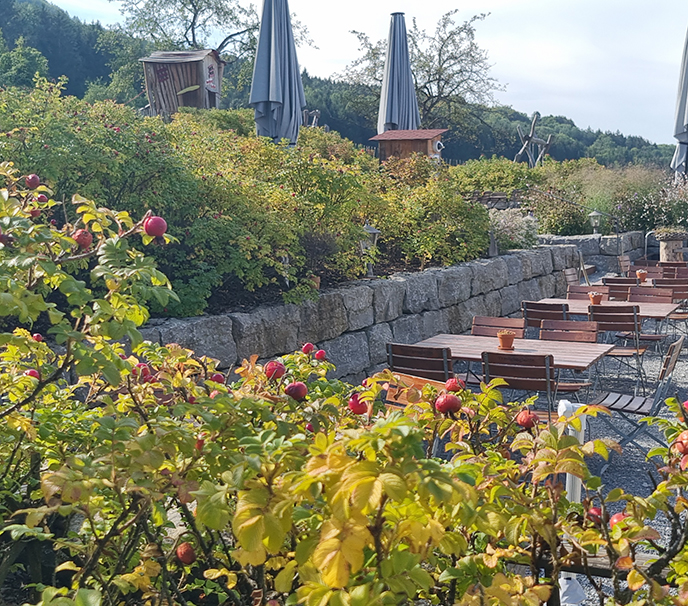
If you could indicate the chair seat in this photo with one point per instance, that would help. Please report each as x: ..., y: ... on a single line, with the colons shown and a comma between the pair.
x: 642, y: 336
x: 571, y: 387
x: 626, y: 352
x: 678, y: 316
x: 618, y: 402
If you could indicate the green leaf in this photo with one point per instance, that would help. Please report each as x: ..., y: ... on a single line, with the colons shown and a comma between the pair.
x: 87, y: 597
x: 285, y: 579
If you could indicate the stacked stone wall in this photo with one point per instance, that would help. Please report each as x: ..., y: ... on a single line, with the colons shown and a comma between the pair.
x: 353, y: 322
x: 602, y: 251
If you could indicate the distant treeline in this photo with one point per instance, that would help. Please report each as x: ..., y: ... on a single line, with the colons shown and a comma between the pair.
x: 101, y: 63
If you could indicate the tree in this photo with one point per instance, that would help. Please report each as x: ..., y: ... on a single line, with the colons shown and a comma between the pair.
x: 180, y: 24
x: 19, y: 66
x: 449, y: 68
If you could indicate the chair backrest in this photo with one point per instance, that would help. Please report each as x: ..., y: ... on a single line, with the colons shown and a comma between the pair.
x: 427, y: 362
x: 624, y: 264
x: 680, y: 288
x: 647, y: 294
x: 581, y: 292
x: 569, y: 330
x: 652, y: 272
x: 670, y: 359
x: 535, y: 312
x: 397, y: 393
x: 488, y: 326
x: 676, y: 272
x: 672, y: 264
x: 645, y: 262
x: 622, y: 318
x: 630, y: 281
x: 618, y: 287
x: 528, y: 372
x: 571, y: 276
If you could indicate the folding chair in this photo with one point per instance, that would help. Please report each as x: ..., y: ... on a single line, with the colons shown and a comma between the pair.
x: 535, y: 312
x: 488, y: 326
x: 677, y: 273
x: 429, y: 362
x: 619, y: 287
x: 581, y: 292
x: 649, y: 294
x: 526, y: 372
x: 615, y: 322
x: 573, y: 331
x: 571, y: 276
x: 397, y: 394
x: 680, y: 288
x: 672, y: 264
x: 624, y: 264
x: 645, y: 262
x: 631, y: 407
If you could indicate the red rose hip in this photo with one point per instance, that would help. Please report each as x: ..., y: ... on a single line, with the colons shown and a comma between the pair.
x: 274, y: 369
x: 186, y: 554
x: 454, y: 384
x: 320, y: 354
x: 526, y: 419
x: 356, y: 405
x: 32, y: 372
x: 83, y: 238
x: 32, y: 181
x: 308, y: 348
x: 447, y: 402
x: 155, y: 226
x: 296, y: 390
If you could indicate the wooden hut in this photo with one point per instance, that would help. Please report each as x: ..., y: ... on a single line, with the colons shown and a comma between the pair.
x: 183, y: 79
x: 403, y: 143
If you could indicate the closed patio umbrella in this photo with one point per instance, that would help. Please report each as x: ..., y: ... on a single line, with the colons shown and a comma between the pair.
x: 398, y: 103
x: 680, y: 159
x: 276, y: 89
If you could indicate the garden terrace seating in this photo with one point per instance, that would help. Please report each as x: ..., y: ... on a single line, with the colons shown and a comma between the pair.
x: 488, y: 326
x: 624, y: 264
x: 534, y: 312
x: 621, y: 321
x: 653, y: 272
x: 619, y: 287
x: 677, y: 273
x: 581, y: 292
x: 645, y: 262
x: 680, y: 288
x: 427, y: 362
x: 632, y: 407
x: 672, y: 264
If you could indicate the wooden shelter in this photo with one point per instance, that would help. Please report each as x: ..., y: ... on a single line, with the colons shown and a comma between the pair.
x: 183, y: 79
x: 403, y: 143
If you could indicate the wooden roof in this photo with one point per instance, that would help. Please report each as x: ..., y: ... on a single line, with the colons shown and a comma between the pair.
x: 409, y: 135
x: 190, y: 56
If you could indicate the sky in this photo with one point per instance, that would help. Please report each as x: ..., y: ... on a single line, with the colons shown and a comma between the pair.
x: 611, y: 65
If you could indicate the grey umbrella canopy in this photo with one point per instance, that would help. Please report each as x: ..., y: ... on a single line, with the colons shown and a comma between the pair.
x: 398, y: 103
x: 680, y: 159
x: 276, y: 89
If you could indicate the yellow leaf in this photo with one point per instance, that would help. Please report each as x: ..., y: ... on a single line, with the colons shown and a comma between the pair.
x: 67, y: 566
x: 285, y: 579
x: 336, y: 572
x: 624, y: 563
x: 150, y: 568
x: 254, y: 558
x: 635, y: 580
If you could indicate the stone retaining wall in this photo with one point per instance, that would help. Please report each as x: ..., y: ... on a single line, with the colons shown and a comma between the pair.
x: 354, y: 322
x: 602, y: 251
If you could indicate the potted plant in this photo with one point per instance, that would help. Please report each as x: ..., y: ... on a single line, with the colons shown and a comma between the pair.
x: 506, y: 339
x: 641, y: 274
x: 595, y: 298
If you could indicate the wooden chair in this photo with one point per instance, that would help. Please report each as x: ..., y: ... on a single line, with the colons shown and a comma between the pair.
x: 569, y: 330
x: 397, y: 394
x: 621, y: 322
x: 527, y: 372
x: 676, y: 273
x: 624, y: 264
x: 428, y: 362
x: 630, y: 408
x: 535, y: 312
x: 618, y: 287
x: 571, y: 276
x: 488, y: 326
x: 645, y: 262
x: 680, y: 288
x: 581, y: 292
x: 652, y: 272
x: 673, y: 263
x: 647, y: 294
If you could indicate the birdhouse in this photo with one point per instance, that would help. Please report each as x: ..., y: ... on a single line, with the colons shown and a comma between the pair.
x: 183, y: 79
x: 403, y: 143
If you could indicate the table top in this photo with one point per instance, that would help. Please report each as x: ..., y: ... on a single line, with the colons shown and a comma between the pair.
x: 567, y: 354
x: 658, y: 311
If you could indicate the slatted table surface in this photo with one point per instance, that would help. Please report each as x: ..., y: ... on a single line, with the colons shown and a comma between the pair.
x: 579, y: 307
x: 577, y: 356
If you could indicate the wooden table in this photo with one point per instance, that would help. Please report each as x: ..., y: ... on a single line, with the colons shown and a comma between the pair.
x: 658, y: 311
x: 577, y: 356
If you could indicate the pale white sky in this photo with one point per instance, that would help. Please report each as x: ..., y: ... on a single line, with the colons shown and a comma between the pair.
x: 607, y: 64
